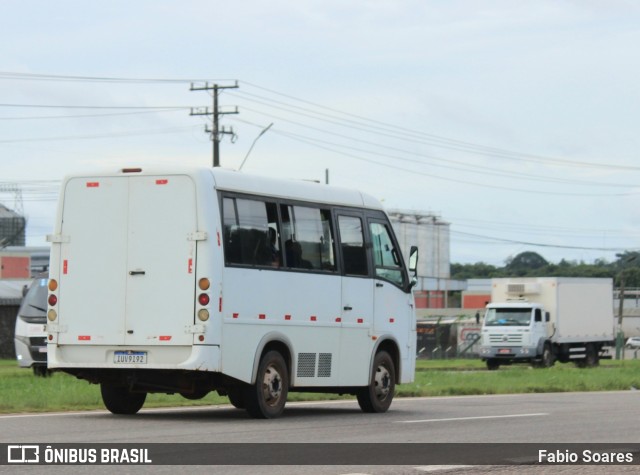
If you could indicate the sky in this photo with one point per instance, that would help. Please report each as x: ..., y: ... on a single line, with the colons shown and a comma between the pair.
x: 515, y: 122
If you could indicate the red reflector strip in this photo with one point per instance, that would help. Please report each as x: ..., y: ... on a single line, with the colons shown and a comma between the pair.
x: 262, y: 316
x: 360, y: 320
x: 93, y: 184
x: 65, y: 266
x: 235, y: 315
x: 338, y: 319
x: 190, y: 266
x: 313, y: 318
x: 220, y: 304
x: 391, y: 320
x: 287, y: 317
x: 165, y: 337
x: 84, y: 337
x: 162, y: 182
x: 218, y: 238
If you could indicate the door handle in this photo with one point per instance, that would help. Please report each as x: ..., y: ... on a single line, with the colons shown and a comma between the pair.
x: 347, y: 308
x: 379, y: 284
x: 136, y: 272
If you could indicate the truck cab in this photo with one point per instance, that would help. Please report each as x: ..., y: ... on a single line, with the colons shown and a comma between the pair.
x: 513, y: 331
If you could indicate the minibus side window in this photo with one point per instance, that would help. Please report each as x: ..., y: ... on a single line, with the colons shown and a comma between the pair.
x: 251, y: 232
x: 308, y: 238
x: 354, y: 254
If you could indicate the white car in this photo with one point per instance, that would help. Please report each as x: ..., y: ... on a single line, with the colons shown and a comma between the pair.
x: 633, y: 342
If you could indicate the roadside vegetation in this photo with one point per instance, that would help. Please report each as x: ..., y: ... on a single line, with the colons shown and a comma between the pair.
x: 21, y: 391
x: 532, y: 264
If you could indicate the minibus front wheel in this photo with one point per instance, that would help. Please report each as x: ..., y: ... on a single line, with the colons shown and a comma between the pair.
x: 378, y: 395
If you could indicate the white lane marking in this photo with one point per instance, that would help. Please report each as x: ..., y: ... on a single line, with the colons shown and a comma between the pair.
x: 441, y: 468
x: 503, y: 416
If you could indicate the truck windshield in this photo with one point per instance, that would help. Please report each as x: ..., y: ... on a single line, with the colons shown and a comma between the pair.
x: 507, y: 317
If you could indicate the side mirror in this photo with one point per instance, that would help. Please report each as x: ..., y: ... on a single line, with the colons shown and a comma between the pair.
x: 413, y: 260
x: 413, y: 266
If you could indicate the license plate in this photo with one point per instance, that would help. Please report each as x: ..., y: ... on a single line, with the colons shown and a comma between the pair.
x: 128, y: 357
x: 504, y: 351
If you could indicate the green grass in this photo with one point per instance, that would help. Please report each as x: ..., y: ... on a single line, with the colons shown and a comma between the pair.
x: 21, y: 391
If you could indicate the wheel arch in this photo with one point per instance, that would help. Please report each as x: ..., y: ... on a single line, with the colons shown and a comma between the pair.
x: 540, y: 348
x: 273, y: 341
x: 390, y: 345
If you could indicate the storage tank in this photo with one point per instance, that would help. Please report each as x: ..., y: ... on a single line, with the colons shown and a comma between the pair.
x: 431, y: 234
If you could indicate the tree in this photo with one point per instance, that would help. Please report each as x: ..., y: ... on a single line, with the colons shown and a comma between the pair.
x: 531, y: 264
x: 525, y: 262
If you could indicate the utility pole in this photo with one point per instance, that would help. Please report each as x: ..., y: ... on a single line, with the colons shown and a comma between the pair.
x: 215, y: 132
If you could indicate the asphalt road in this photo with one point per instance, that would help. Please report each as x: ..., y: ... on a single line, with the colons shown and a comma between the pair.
x: 529, y: 418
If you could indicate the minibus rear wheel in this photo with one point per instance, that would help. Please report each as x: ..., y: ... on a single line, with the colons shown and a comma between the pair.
x: 266, y: 398
x: 120, y: 400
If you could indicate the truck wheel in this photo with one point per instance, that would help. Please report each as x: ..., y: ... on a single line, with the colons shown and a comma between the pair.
x: 548, y: 358
x: 267, y: 397
x: 591, y: 358
x: 493, y: 365
x: 378, y: 395
x: 120, y: 400
x: 41, y: 370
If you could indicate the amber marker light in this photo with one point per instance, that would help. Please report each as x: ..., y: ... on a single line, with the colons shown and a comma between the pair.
x: 204, y: 283
x: 53, y: 285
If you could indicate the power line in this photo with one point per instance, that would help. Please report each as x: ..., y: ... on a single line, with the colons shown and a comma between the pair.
x: 166, y: 130
x: 58, y: 106
x: 54, y: 77
x: 470, y: 146
x: 319, y: 144
x: 444, y: 163
x: 435, y: 140
x: 538, y: 244
x: 83, y: 116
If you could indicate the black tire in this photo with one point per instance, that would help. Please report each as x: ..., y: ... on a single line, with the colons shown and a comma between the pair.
x: 119, y: 400
x: 493, y: 365
x: 236, y: 398
x: 377, y: 397
x: 267, y: 397
x: 548, y: 358
x: 195, y: 395
x: 591, y: 359
x: 41, y: 371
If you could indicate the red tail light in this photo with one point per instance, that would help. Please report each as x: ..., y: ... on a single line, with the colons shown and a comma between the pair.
x: 203, y: 299
x: 52, y: 300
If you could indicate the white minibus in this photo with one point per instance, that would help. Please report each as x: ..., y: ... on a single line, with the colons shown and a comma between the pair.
x: 196, y: 280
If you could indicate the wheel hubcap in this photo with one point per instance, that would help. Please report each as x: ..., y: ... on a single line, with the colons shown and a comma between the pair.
x: 272, y: 385
x: 382, y: 382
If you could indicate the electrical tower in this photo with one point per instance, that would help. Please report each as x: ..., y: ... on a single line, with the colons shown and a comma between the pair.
x: 216, y: 132
x: 14, y: 188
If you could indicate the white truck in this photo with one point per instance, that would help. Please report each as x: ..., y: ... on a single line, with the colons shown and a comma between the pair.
x: 546, y: 319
